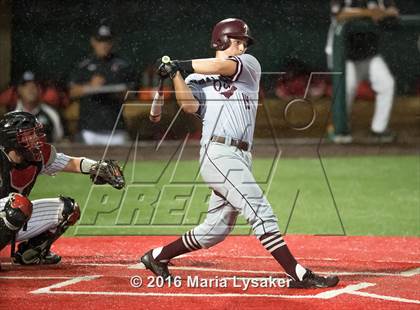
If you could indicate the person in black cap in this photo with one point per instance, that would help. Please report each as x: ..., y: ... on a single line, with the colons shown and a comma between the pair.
x: 29, y: 101
x: 100, y: 82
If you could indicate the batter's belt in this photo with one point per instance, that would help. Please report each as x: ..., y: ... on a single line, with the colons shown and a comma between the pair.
x: 242, y: 145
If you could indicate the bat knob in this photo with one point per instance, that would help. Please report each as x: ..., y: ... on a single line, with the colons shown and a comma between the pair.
x: 166, y: 59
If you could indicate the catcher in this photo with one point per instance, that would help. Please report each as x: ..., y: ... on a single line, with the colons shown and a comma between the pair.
x: 38, y: 223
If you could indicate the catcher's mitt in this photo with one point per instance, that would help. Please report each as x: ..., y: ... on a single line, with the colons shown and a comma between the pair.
x: 107, y: 171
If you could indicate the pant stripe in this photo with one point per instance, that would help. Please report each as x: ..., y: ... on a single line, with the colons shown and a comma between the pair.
x: 39, y: 210
x: 276, y: 247
x: 24, y: 235
x: 273, y: 242
x: 186, y: 243
x: 264, y: 241
x: 194, y: 240
x: 46, y: 215
x: 45, y: 210
x: 191, y: 241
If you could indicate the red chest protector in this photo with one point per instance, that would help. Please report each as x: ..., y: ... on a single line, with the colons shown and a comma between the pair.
x: 21, y: 179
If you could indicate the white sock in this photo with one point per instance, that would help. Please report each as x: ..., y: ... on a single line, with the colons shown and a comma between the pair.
x: 156, y: 252
x: 300, y: 271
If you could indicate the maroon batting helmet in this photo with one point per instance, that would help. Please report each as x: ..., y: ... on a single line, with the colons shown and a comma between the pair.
x: 229, y: 28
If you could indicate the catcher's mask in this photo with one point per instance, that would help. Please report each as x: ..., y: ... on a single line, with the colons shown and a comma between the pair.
x: 22, y: 132
x: 230, y: 28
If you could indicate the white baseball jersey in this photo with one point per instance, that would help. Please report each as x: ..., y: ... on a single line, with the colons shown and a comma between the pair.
x: 228, y: 105
x: 228, y: 108
x: 56, y: 163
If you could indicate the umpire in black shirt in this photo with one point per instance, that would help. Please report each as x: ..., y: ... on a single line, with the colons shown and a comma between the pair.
x: 100, y: 81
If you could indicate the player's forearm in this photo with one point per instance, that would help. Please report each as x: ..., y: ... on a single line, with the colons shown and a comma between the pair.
x: 223, y: 67
x: 73, y: 165
x: 79, y: 165
x: 184, y: 96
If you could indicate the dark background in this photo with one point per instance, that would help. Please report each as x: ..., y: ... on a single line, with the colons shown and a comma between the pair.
x: 50, y: 37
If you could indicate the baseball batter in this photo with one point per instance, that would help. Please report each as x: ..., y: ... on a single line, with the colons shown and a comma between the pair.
x: 223, y: 91
x: 23, y: 156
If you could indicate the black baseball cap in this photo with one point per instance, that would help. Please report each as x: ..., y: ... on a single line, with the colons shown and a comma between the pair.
x: 27, y: 76
x: 103, y: 33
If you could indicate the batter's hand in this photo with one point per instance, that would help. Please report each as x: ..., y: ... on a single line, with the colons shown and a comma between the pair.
x: 107, y: 171
x: 167, y: 69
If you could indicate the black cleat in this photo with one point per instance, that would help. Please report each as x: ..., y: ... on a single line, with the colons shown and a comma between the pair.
x: 312, y: 280
x: 50, y: 259
x: 158, y: 268
x: 34, y: 255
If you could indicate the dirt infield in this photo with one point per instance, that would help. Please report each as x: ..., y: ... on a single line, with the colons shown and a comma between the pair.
x: 102, y: 272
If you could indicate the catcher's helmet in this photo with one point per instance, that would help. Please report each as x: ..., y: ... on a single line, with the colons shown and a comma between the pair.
x: 230, y: 28
x: 22, y: 132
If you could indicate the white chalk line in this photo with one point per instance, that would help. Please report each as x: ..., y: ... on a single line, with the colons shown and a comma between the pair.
x: 321, y: 259
x: 407, y: 273
x: 177, y: 294
x: 79, y: 264
x: 100, y: 264
x: 410, y: 272
x: 349, y: 288
x: 383, y: 297
x: 353, y: 289
x: 265, y: 257
x: 34, y: 277
x: 71, y: 281
x: 322, y: 295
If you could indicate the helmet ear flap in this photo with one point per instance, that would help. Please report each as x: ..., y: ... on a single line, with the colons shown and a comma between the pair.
x: 221, y: 43
x: 225, y: 42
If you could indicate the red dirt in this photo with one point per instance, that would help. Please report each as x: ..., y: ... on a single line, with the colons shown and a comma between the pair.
x: 391, y: 266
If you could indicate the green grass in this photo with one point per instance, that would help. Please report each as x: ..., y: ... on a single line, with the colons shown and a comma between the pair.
x: 373, y: 195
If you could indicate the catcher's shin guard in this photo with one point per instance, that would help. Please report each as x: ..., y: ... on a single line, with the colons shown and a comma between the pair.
x: 71, y: 212
x: 37, y: 249
x: 13, y: 217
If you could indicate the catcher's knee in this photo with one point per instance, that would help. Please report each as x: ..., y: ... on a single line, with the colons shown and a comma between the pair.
x: 17, y: 211
x: 36, y: 249
x: 71, y: 211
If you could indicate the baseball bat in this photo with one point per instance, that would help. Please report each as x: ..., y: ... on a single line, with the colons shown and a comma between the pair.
x: 156, y: 108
